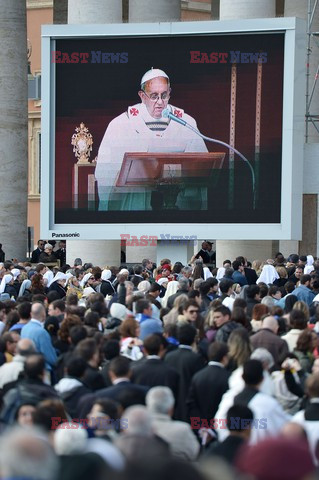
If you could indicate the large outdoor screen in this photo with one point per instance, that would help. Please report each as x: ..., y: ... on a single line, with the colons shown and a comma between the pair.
x: 123, y: 145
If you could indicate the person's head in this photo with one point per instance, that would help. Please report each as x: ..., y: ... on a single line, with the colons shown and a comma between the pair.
x: 238, y: 266
x: 298, y: 319
x: 238, y: 315
x: 239, y: 346
x: 264, y: 356
x: 218, y: 352
x: 307, y: 341
x: 305, y: 280
x: 34, y: 367
x: 290, y: 300
x: 25, y: 347
x: 24, y: 414
x: 76, y: 366
x: 312, y: 385
x: 129, y: 328
x: 41, y: 244
x: 119, y: 368
x: 183, y: 283
x: 225, y: 286
x: 160, y: 400
x: 56, y: 308
x: 221, y: 315
x: 259, y: 310
x: 89, y: 350
x: 153, y: 344
x: 270, y: 323
x: 282, y: 272
x: 144, y: 307
x: 24, y: 310
x: 139, y: 421
x: 38, y: 312
x: 186, y: 334
x: 155, y: 92
x: 48, y: 248
x: 274, y: 292
x: 253, y: 373
x: 104, y: 415
x: 253, y: 292
x: 239, y: 421
x: 111, y: 349
x: 25, y: 453
x: 191, y: 310
x: 8, y: 342
x: 299, y: 272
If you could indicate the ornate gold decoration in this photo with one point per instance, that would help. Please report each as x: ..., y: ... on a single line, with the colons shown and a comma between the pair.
x: 82, y: 142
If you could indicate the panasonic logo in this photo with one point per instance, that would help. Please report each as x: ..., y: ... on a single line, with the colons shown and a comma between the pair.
x: 65, y: 235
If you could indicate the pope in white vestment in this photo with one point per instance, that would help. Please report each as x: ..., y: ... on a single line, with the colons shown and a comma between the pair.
x: 142, y: 128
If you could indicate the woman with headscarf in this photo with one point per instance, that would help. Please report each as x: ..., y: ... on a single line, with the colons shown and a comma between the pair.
x: 268, y: 274
x: 58, y: 284
x: 48, y: 278
x: 106, y: 285
x: 309, y: 266
x: 25, y: 288
x: 172, y: 288
x: 6, y: 285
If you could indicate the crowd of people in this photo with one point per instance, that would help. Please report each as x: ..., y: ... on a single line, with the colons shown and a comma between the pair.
x: 159, y: 370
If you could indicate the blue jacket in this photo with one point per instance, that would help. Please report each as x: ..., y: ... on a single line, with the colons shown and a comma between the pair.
x: 42, y: 341
x: 239, y: 278
x: 304, y: 294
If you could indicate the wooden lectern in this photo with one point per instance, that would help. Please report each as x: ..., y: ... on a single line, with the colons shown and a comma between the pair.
x: 170, y: 173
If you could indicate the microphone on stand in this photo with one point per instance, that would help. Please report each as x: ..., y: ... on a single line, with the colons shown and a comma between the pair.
x: 166, y: 113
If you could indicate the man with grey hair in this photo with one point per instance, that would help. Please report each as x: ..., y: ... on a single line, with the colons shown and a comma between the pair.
x: 138, y: 440
x: 27, y: 454
x: 34, y: 331
x: 183, y: 287
x: 179, y: 435
x: 9, y: 372
x: 267, y: 338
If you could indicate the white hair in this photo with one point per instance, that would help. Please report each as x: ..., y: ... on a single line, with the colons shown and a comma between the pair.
x: 160, y: 400
x: 26, y: 453
x: 264, y: 356
x: 70, y: 438
x: 138, y: 420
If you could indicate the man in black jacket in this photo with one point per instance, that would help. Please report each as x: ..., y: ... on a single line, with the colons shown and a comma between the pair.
x: 122, y: 390
x: 208, y: 385
x: 187, y: 363
x: 151, y: 370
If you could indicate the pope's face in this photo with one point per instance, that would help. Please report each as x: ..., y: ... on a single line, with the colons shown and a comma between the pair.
x: 158, y: 86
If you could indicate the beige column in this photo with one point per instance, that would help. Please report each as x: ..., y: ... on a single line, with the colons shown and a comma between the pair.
x: 235, y: 9
x: 154, y: 11
x: 95, y: 11
x: 98, y: 252
x: 13, y: 128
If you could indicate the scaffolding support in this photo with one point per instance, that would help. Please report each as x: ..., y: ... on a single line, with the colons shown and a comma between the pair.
x: 311, y: 118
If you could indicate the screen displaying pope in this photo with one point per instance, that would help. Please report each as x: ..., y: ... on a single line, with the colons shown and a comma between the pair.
x: 143, y: 128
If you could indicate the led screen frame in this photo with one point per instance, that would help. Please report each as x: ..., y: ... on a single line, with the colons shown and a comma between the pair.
x: 289, y: 222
